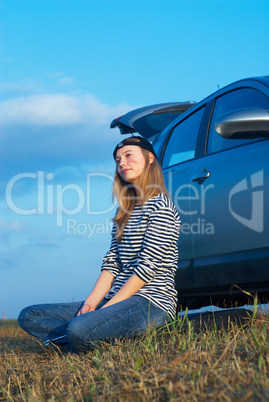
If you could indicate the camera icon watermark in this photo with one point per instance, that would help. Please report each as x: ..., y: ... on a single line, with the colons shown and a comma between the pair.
x: 256, y: 221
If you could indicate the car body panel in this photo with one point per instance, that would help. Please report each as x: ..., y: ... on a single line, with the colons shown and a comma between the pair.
x: 221, y: 255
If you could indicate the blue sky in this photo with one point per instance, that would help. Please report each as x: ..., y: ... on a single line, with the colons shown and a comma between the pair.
x: 67, y: 68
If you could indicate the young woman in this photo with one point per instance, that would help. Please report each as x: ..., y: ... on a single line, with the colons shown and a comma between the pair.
x: 135, y: 289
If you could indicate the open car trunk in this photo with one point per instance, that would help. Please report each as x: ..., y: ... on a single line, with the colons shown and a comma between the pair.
x: 150, y: 120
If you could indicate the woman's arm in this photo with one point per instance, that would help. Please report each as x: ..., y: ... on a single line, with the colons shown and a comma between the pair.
x: 160, y: 240
x: 103, y: 284
x: 111, y: 261
x: 130, y: 287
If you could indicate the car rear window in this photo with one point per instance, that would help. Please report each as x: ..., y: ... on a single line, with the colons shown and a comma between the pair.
x: 154, y: 123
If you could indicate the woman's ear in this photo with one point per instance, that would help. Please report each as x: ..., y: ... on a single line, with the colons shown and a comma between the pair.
x: 151, y: 158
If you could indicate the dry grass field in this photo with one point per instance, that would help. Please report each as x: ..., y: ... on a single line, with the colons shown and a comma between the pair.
x: 204, y: 359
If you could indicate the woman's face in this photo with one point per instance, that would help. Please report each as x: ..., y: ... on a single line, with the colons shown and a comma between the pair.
x: 131, y: 163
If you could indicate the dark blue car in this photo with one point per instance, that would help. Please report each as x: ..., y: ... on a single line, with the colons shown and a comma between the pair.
x: 215, y: 159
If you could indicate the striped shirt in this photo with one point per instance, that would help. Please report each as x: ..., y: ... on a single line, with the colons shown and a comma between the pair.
x: 148, y: 249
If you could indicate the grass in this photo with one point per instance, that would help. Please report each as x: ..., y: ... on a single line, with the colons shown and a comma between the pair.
x: 198, y: 360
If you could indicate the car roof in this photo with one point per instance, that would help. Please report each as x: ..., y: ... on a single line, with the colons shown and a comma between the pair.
x: 260, y: 83
x: 150, y: 120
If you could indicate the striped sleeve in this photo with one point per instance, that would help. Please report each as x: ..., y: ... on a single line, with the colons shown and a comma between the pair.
x: 111, y: 261
x: 161, y: 233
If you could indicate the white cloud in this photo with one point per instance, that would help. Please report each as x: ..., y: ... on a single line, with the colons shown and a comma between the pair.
x: 44, y: 110
x: 99, y: 113
x: 52, y: 132
x: 58, y: 110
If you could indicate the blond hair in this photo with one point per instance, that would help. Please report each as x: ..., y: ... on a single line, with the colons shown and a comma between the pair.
x: 128, y: 195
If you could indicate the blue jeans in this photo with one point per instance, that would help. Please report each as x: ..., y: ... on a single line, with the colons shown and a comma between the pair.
x: 127, y: 318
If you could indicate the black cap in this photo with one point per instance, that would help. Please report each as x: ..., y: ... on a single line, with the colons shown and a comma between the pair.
x: 142, y: 143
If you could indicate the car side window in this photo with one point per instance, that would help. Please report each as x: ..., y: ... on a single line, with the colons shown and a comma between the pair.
x: 182, y: 142
x: 238, y: 99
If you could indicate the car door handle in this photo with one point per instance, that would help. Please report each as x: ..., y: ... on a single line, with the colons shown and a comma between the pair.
x: 200, y: 177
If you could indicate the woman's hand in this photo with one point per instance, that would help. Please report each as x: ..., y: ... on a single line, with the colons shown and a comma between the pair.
x: 102, y: 286
x: 86, y: 308
x: 130, y: 287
